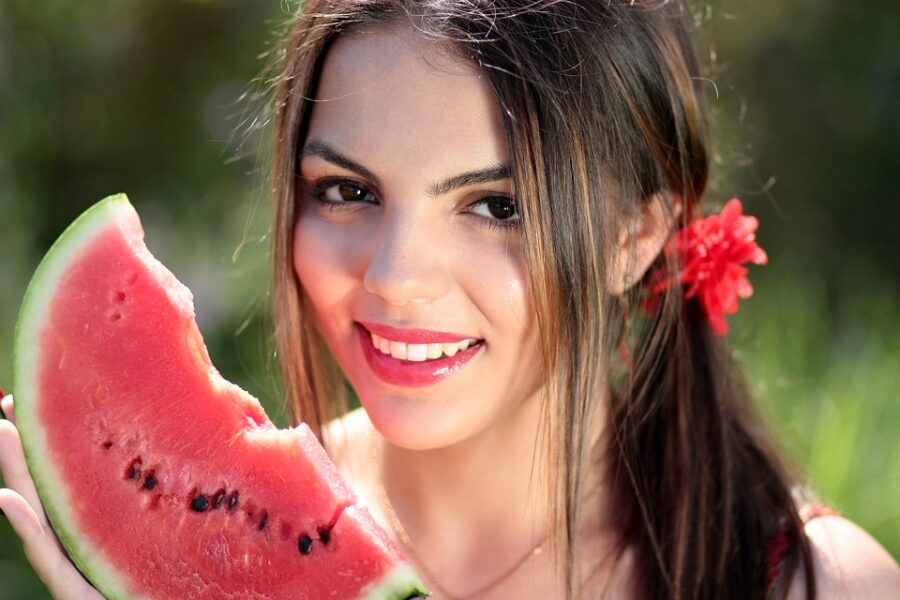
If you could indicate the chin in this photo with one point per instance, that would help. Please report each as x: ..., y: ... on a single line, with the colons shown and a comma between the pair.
x: 416, y: 424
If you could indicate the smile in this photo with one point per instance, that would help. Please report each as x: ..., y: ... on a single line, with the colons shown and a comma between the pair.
x: 420, y: 358
x: 419, y: 352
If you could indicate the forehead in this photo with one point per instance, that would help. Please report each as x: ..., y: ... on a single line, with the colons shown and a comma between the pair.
x: 388, y: 95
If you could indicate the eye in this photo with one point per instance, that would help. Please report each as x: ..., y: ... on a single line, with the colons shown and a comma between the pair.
x: 501, y: 209
x: 341, y: 191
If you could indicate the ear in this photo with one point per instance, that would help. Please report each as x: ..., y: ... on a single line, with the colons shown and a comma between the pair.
x: 641, y: 240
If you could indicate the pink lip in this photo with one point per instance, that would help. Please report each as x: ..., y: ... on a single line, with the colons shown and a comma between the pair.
x: 411, y: 374
x: 414, y: 336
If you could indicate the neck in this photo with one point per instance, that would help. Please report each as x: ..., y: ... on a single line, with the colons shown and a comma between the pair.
x: 472, y: 510
x: 482, y: 491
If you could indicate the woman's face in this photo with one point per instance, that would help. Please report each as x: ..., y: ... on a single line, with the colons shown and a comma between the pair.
x: 407, y: 243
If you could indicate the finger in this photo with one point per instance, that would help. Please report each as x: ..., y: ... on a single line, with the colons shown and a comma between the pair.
x: 15, y: 473
x: 60, y: 576
x: 26, y: 523
x: 15, y: 469
x: 7, y: 405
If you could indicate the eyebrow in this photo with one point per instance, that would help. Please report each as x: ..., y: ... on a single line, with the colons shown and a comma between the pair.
x: 490, y: 174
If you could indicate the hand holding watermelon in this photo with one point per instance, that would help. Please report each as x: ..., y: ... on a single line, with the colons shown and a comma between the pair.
x: 22, y: 506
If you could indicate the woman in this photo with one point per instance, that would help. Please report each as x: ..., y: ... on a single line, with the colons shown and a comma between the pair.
x: 473, y: 201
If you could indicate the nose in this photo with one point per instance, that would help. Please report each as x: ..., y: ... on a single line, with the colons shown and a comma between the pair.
x: 408, y: 261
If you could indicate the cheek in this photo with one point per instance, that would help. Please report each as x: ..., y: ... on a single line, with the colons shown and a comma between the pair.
x: 324, y: 259
x: 497, y: 281
x: 310, y: 260
x: 501, y: 289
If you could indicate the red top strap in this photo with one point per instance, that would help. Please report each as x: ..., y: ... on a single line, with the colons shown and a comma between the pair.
x: 779, y: 546
x: 808, y: 512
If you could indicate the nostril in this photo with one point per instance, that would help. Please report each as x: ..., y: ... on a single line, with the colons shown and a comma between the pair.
x: 407, y: 260
x: 409, y: 284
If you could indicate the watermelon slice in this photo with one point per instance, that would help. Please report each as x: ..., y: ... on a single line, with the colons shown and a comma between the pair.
x: 162, y: 479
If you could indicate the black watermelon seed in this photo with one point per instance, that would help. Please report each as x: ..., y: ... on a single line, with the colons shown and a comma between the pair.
x: 107, y: 445
x: 218, y: 498
x: 150, y: 482
x: 325, y: 535
x: 200, y: 503
x: 264, y: 521
x: 134, y: 472
x: 233, y: 501
x: 305, y: 544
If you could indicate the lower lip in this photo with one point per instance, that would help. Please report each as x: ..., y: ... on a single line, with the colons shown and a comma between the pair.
x: 412, y: 374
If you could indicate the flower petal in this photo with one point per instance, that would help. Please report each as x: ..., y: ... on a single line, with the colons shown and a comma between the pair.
x: 711, y: 252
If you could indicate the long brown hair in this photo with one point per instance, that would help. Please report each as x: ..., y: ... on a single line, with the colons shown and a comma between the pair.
x: 603, y: 110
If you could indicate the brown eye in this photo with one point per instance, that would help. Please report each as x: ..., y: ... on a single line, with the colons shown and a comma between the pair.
x: 497, y: 208
x: 350, y: 192
x: 339, y: 191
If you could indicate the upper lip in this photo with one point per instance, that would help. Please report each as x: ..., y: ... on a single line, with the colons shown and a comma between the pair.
x: 414, y: 336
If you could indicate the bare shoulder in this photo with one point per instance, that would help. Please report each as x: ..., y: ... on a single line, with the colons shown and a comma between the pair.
x: 348, y: 442
x: 848, y: 563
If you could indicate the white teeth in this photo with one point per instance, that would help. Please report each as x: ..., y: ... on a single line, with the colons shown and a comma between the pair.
x: 382, y: 344
x: 416, y: 352
x: 419, y: 352
x: 398, y: 350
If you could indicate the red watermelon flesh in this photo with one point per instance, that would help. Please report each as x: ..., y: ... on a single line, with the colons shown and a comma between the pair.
x: 162, y: 479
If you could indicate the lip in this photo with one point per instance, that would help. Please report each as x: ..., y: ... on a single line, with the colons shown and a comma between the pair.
x: 412, y: 374
x: 414, y: 336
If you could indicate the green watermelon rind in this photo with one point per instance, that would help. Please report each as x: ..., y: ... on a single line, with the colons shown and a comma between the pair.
x: 35, y: 307
x: 402, y: 583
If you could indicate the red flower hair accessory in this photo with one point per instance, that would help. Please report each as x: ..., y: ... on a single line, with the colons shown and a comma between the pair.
x: 711, y: 252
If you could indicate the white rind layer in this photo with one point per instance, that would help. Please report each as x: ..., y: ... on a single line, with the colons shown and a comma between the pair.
x: 34, y: 313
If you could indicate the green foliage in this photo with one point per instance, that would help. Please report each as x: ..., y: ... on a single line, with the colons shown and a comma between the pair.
x: 142, y: 97
x: 827, y: 386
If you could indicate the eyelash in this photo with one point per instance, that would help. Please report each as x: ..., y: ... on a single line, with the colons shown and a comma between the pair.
x: 317, y: 193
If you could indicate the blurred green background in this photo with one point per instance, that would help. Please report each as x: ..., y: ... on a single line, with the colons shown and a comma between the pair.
x: 144, y: 96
